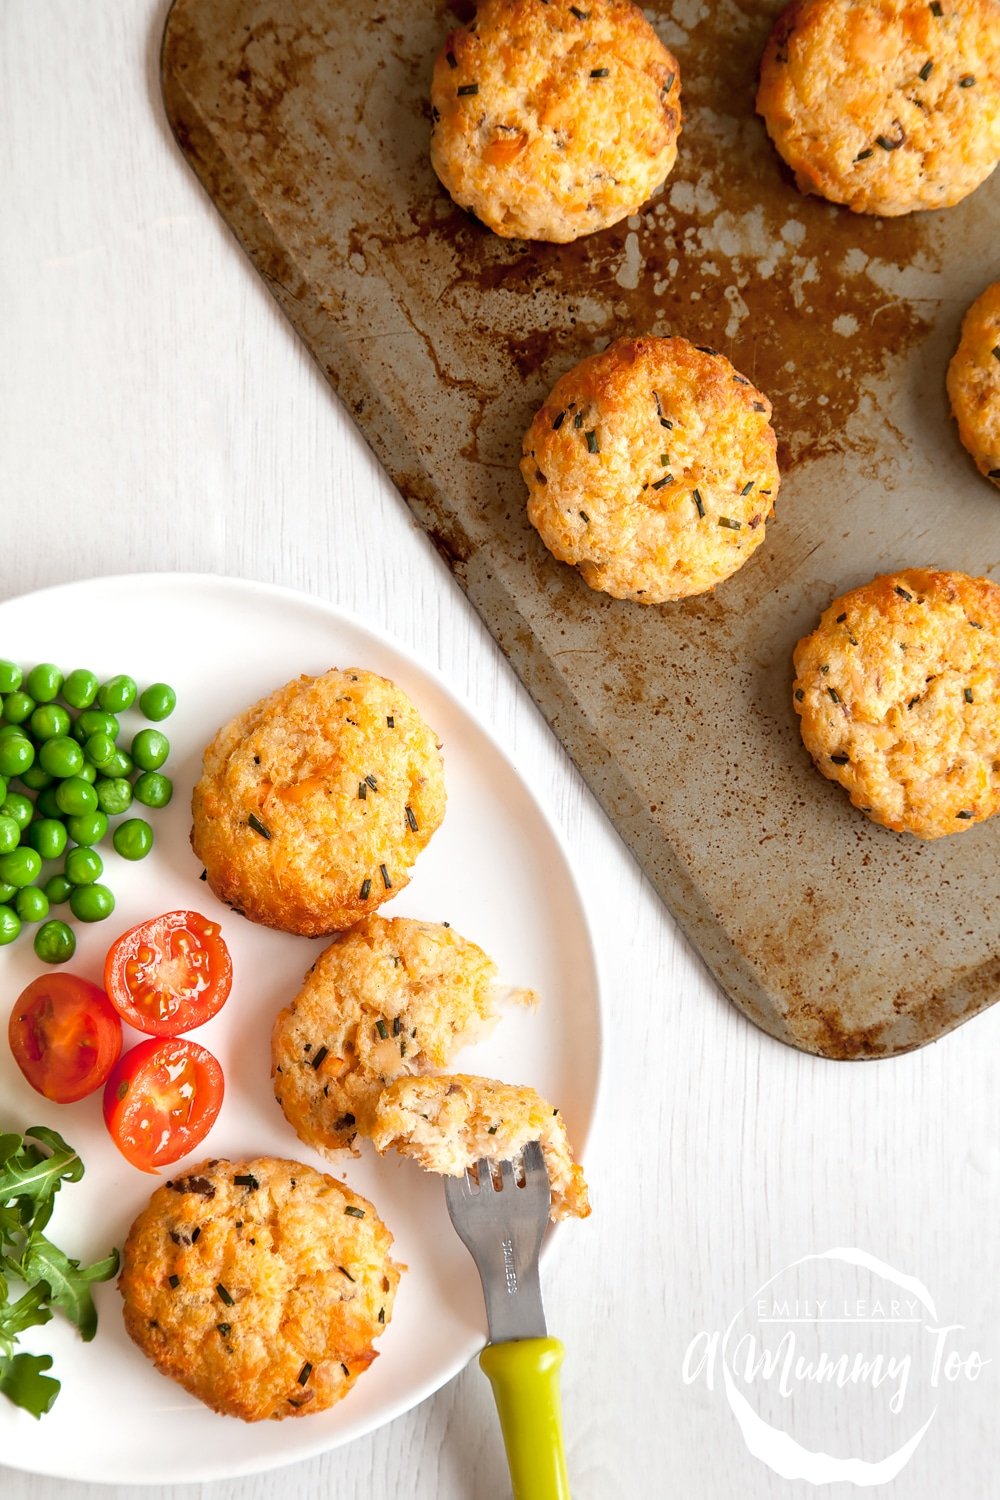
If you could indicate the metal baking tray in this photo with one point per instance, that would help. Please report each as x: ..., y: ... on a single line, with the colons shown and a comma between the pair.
x: 308, y: 122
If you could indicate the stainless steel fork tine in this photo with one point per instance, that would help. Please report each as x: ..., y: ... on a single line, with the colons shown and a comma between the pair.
x: 534, y: 1161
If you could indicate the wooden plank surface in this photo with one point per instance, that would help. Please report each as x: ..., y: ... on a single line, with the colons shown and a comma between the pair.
x: 308, y: 122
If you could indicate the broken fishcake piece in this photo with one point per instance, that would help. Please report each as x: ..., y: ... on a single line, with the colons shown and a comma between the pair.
x: 552, y: 120
x: 259, y: 1286
x: 974, y: 380
x: 314, y: 804
x: 450, y: 1122
x: 651, y: 468
x: 887, y: 106
x: 898, y: 696
x: 392, y: 996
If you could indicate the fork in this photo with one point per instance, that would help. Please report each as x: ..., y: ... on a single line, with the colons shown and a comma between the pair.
x: 501, y: 1225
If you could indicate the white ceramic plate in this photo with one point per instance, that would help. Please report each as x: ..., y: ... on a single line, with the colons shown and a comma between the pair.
x: 496, y: 870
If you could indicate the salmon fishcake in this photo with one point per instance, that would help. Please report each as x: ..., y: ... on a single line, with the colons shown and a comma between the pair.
x: 974, y: 382
x: 390, y: 997
x: 450, y: 1122
x: 552, y: 120
x: 888, y: 106
x: 259, y: 1286
x: 651, y: 468
x: 314, y: 803
x: 898, y: 696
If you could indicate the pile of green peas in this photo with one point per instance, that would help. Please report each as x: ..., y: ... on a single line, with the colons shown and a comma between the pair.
x: 66, y: 755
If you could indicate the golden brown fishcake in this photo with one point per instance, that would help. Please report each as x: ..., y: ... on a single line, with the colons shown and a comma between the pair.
x: 259, y: 1286
x: 315, y: 802
x: 388, y: 998
x: 450, y: 1122
x: 887, y: 106
x: 974, y: 382
x: 552, y: 120
x: 898, y: 693
x: 651, y: 468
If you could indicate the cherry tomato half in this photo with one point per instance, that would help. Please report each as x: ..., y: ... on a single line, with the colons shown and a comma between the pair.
x: 169, y: 974
x: 162, y: 1099
x: 65, y: 1037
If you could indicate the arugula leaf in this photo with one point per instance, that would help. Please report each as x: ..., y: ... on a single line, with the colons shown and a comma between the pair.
x: 29, y: 1174
x: 22, y: 1381
x: 27, y: 1312
x: 9, y: 1146
x: 68, y: 1282
x: 32, y: 1170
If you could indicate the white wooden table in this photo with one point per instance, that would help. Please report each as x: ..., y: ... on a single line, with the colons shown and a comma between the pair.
x: 158, y: 414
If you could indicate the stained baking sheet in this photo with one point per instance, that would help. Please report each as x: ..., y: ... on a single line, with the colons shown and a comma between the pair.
x: 308, y: 122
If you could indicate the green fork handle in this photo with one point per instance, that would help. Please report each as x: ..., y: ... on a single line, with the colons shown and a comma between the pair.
x: 524, y: 1374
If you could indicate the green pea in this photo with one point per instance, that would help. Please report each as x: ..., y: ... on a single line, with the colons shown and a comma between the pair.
x: 158, y: 701
x: 117, y: 694
x: 17, y: 707
x: 95, y: 721
x: 150, y: 749
x: 10, y: 835
x: 152, y: 789
x: 114, y: 795
x: 91, y: 903
x: 80, y: 688
x: 22, y: 866
x: 83, y: 866
x: 48, y: 721
x: 119, y: 764
x: 58, y: 889
x: 32, y: 905
x: 74, y: 795
x: 3, y: 789
x: 10, y: 679
x: 17, y: 754
x: 87, y: 773
x: 99, y: 748
x: 15, y: 805
x: 36, y: 778
x: 55, y: 943
x: 47, y: 836
x: 44, y: 682
x: 133, y: 839
x: 46, y: 805
x: 10, y: 924
x: 87, y: 828
x: 7, y: 894
x: 61, y: 757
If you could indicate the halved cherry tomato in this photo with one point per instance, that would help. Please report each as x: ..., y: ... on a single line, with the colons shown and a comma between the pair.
x: 65, y: 1037
x: 161, y: 1100
x: 169, y: 974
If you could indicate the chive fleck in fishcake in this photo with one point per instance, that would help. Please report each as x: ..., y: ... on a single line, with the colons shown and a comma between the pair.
x: 651, y: 468
x: 974, y: 382
x: 259, y: 1286
x: 390, y: 997
x: 314, y: 803
x: 898, y: 696
x: 551, y: 119
x: 450, y: 1122
x: 887, y: 106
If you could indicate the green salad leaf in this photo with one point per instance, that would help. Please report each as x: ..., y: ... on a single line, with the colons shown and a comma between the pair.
x: 22, y: 1381
x: 32, y: 1169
